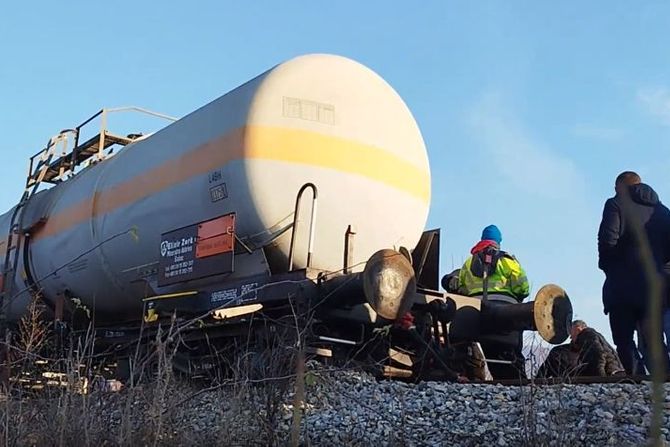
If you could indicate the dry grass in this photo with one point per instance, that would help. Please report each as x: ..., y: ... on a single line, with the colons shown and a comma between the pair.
x: 157, y: 406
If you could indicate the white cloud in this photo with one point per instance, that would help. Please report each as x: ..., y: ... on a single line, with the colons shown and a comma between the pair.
x: 656, y: 100
x: 526, y: 163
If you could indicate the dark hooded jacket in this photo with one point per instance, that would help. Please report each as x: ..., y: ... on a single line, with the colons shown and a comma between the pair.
x: 618, y: 248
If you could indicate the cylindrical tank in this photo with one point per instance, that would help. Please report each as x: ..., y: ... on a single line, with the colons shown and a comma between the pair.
x: 317, y: 118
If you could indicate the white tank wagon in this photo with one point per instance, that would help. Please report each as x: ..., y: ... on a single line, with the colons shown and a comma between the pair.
x: 318, y: 118
x: 309, y: 185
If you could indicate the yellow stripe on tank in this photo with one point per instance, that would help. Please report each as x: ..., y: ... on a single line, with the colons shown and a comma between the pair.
x: 315, y: 149
x: 250, y: 142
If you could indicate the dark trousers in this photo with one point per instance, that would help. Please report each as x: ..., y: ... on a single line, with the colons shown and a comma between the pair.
x: 508, y: 352
x: 643, y: 348
x: 624, y: 323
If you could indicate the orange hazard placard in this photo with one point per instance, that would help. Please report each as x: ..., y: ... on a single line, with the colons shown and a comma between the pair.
x: 215, y: 237
x: 214, y: 246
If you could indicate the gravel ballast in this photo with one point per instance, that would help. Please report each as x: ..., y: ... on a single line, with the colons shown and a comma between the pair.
x: 346, y: 408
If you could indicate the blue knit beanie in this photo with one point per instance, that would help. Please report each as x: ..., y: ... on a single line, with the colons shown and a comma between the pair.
x: 492, y: 233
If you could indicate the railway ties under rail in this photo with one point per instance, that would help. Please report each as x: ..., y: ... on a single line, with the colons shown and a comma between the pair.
x: 577, y: 380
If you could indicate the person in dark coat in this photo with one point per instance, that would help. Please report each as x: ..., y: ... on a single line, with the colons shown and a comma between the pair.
x: 626, y: 291
x: 561, y: 363
x: 595, y: 357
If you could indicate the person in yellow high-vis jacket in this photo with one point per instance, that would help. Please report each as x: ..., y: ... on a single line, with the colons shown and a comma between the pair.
x: 505, y: 275
x: 506, y: 283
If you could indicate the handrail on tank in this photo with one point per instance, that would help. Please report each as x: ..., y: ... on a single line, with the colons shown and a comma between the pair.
x: 67, y: 162
x: 127, y: 109
x: 296, y: 219
x: 104, y: 112
x: 141, y: 110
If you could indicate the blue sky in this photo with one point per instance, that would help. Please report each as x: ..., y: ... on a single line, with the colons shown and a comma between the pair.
x: 528, y: 109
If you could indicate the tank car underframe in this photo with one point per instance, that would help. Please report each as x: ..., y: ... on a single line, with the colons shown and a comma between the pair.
x: 333, y: 317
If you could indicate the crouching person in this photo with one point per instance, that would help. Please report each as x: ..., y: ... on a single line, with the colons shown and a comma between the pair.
x: 562, y: 362
x: 595, y: 356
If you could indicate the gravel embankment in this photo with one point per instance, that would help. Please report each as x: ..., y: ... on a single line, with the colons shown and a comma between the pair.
x: 349, y: 408
x: 435, y: 413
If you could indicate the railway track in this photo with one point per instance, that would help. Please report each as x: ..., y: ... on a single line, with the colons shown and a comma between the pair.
x: 577, y: 380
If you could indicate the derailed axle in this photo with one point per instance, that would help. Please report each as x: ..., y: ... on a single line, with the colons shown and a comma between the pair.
x: 455, y: 319
x: 391, y: 290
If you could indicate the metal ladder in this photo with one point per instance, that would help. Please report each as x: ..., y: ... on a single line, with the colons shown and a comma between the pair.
x: 12, y: 246
x: 13, y: 241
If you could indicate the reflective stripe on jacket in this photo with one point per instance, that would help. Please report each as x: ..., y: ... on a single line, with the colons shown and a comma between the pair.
x: 508, y: 278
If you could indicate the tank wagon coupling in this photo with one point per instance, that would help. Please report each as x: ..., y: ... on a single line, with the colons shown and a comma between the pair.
x: 300, y: 196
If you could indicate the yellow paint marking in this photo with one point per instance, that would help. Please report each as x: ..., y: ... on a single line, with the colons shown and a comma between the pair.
x: 248, y: 143
x: 171, y: 295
